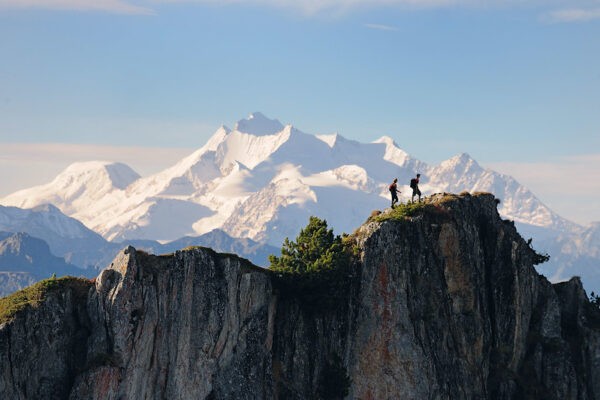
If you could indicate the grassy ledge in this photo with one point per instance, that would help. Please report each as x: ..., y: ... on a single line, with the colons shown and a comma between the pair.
x: 434, y: 204
x: 34, y: 295
x: 408, y: 210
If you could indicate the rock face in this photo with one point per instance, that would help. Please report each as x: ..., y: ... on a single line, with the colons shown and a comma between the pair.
x: 43, y: 348
x: 442, y: 305
x: 191, y: 325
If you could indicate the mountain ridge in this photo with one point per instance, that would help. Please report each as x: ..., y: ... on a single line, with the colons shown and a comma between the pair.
x: 85, y: 252
x: 264, y: 184
x: 444, y: 303
x: 25, y: 260
x: 253, y: 159
x: 70, y: 239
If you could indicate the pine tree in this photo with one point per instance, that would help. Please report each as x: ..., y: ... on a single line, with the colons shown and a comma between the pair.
x: 315, y: 249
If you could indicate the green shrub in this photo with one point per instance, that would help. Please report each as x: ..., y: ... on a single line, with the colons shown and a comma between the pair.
x: 315, y: 268
x: 315, y: 249
x: 538, y: 258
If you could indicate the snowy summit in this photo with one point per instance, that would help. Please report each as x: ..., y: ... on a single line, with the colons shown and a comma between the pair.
x: 262, y: 180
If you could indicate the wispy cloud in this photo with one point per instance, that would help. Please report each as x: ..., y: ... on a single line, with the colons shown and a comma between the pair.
x: 109, y: 6
x: 311, y: 7
x: 317, y: 6
x: 381, y: 27
x: 573, y: 15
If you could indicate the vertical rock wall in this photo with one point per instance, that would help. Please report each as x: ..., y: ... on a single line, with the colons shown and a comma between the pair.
x: 446, y: 305
x: 43, y: 348
x: 191, y: 325
x: 442, y: 305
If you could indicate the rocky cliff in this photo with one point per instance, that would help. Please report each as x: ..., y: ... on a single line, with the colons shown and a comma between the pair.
x: 442, y: 304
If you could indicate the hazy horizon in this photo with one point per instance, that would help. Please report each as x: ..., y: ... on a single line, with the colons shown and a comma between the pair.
x: 514, y: 84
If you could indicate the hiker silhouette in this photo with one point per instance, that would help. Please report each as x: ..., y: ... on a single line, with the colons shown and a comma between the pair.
x: 414, y: 185
x: 394, y: 191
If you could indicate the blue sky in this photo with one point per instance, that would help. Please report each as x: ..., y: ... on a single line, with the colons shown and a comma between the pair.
x: 514, y: 83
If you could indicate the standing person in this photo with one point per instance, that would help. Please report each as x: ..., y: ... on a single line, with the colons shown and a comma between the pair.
x: 394, y: 191
x: 414, y: 184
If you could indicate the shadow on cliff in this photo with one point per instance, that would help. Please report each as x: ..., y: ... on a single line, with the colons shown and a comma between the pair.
x: 438, y: 301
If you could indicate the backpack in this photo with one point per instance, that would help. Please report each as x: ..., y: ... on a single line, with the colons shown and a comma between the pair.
x: 391, y: 188
x: 413, y: 183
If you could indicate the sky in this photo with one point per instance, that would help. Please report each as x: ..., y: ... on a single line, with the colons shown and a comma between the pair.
x: 516, y: 84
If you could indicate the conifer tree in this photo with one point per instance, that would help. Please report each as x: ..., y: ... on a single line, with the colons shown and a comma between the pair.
x: 316, y: 249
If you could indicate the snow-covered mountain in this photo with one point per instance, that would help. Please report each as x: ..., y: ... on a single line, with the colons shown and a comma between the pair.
x: 77, y: 187
x: 262, y: 180
x: 34, y: 244
x: 66, y: 236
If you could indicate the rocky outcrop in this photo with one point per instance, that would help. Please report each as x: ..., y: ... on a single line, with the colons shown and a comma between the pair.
x: 444, y: 304
x: 42, y: 349
x: 447, y: 305
x: 192, y: 325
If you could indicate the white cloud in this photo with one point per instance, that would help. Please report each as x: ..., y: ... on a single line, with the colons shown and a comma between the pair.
x: 309, y: 7
x: 381, y: 27
x: 341, y: 6
x: 568, y: 185
x: 110, y: 6
x: 573, y: 15
x: 23, y: 165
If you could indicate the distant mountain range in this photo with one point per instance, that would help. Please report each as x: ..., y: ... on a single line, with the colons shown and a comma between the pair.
x: 262, y: 180
x: 64, y: 246
x: 66, y: 237
x: 25, y: 259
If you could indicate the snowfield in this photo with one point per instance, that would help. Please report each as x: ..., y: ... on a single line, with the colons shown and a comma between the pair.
x: 262, y: 180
